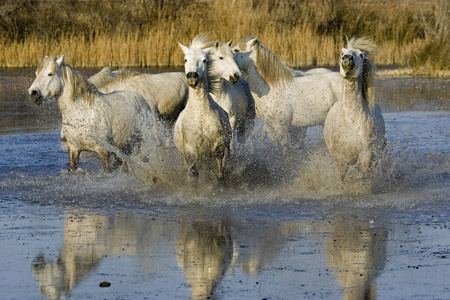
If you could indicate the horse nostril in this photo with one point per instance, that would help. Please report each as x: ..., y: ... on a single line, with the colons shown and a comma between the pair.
x: 348, y: 56
x: 193, y: 75
x: 237, y: 76
x: 34, y: 92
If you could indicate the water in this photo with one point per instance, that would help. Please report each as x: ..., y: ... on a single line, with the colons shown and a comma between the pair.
x: 278, y: 228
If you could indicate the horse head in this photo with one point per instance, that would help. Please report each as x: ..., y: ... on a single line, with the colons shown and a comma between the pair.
x: 243, y: 51
x: 195, y: 65
x: 354, y: 58
x: 222, y: 61
x: 48, y: 81
x: 351, y: 63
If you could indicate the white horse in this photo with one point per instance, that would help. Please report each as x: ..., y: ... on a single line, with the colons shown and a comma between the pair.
x: 286, y: 100
x: 166, y: 93
x: 91, y: 120
x: 229, y: 91
x: 354, y: 129
x: 202, y: 130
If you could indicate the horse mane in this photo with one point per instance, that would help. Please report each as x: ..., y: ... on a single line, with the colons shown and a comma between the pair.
x: 214, y: 86
x: 270, y: 67
x: 79, y: 87
x: 362, y: 44
x: 102, y: 78
x: 369, y: 69
x: 120, y: 75
x: 214, y: 80
x: 201, y: 41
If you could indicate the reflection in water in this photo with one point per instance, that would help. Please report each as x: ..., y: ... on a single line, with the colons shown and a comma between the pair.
x: 207, y: 250
x: 204, y: 252
x: 356, y: 253
x: 258, y: 244
x: 84, y: 246
x: 90, y: 238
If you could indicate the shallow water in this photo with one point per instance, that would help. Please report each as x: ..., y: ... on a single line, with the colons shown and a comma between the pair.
x: 278, y: 228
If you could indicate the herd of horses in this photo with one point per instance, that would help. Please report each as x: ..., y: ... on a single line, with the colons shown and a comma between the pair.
x: 212, y: 107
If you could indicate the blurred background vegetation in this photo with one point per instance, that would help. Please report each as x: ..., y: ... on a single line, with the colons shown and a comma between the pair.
x: 145, y: 33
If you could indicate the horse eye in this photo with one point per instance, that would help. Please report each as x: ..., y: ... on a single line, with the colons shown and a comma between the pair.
x: 361, y: 55
x: 236, y: 50
x: 185, y: 60
x: 50, y: 74
x: 221, y: 57
x: 204, y: 61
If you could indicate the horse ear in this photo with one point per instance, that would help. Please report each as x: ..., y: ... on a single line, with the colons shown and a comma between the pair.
x: 253, y: 42
x: 217, y: 44
x: 230, y: 43
x: 60, y: 60
x: 183, y: 48
x: 208, y: 50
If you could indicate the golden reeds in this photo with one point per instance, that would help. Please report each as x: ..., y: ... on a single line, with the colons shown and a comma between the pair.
x: 301, y: 33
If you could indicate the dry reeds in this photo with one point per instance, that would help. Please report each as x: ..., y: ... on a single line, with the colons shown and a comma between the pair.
x: 145, y: 33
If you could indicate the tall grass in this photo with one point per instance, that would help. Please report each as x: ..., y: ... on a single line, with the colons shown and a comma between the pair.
x: 144, y: 33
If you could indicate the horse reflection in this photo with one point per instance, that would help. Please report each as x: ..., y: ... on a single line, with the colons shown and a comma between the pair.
x: 356, y: 253
x: 90, y: 238
x: 204, y: 253
x: 258, y: 245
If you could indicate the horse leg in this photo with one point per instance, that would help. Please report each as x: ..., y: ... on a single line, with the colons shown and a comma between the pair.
x: 232, y: 120
x: 220, y: 160
x: 168, y: 133
x: 365, y: 159
x: 104, y: 156
x: 342, y: 168
x: 74, y: 156
x: 278, y: 134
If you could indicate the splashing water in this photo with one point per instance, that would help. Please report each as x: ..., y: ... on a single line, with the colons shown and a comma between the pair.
x: 418, y: 162
x: 257, y: 173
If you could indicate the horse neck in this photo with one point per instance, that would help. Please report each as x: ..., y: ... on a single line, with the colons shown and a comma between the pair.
x: 256, y: 82
x: 199, y: 96
x: 353, y: 95
x: 71, y: 93
x: 218, y: 86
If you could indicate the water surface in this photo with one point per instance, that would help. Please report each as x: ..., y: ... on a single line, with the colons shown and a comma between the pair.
x: 278, y: 228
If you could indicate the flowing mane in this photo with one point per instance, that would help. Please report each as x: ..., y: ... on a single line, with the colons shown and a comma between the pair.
x: 270, y: 67
x: 101, y: 78
x: 79, y: 87
x: 213, y: 79
x: 201, y: 41
x: 362, y: 44
x: 120, y: 76
x: 369, y: 69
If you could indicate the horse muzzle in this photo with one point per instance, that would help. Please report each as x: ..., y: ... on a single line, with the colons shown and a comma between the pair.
x: 192, y: 79
x: 234, y: 78
x: 347, y: 63
x: 36, y: 97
